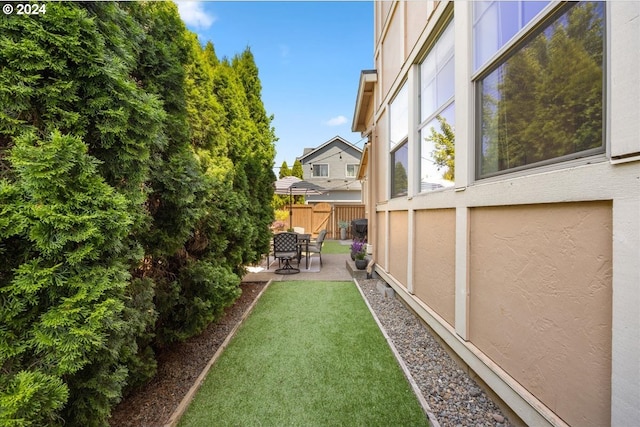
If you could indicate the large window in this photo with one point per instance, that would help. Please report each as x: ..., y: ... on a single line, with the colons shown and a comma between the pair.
x: 437, y: 118
x: 398, y: 143
x: 542, y: 101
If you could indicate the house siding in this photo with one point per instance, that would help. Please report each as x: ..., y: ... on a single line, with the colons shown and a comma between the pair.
x: 336, y: 154
x: 531, y: 277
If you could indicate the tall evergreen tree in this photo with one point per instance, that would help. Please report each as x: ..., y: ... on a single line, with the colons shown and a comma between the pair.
x: 296, y: 170
x: 259, y: 164
x: 284, y: 170
x: 68, y: 75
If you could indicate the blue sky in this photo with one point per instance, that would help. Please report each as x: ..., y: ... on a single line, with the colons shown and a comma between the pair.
x: 309, y: 55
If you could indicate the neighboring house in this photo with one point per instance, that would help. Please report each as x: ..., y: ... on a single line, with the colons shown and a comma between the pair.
x: 333, y: 166
x: 501, y: 179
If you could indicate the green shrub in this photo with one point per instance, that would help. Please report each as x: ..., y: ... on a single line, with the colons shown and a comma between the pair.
x: 63, y: 306
x: 199, y: 296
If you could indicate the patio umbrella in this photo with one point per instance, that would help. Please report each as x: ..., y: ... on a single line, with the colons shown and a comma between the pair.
x: 294, y: 186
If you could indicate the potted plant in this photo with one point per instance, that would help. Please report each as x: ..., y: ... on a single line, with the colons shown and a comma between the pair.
x: 343, y: 225
x: 361, y: 261
x: 359, y: 254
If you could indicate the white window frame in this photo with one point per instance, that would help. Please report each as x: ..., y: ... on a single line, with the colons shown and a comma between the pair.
x: 355, y: 170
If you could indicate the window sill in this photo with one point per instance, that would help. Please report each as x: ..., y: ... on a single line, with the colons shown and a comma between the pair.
x: 530, y: 171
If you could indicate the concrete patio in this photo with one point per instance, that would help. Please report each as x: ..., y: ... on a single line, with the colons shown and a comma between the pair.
x: 334, y: 267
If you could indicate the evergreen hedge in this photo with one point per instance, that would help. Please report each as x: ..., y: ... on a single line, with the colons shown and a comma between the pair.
x: 135, y: 185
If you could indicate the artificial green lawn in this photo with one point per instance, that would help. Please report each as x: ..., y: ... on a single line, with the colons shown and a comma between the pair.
x: 335, y: 247
x: 310, y: 354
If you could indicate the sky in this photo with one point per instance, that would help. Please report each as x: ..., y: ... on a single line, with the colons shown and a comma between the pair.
x: 309, y: 56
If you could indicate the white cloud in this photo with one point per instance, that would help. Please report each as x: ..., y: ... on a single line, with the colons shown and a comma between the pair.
x: 193, y: 13
x: 336, y: 121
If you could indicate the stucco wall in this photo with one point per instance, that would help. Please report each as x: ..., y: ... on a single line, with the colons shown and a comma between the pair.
x: 380, y: 160
x: 398, y: 232
x: 434, y: 260
x: 540, y: 284
x: 383, y: 8
x: 381, y: 241
x: 392, y: 50
x: 417, y: 13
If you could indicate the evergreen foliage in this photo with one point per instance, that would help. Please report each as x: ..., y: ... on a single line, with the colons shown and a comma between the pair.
x: 296, y: 170
x: 135, y: 183
x: 444, y: 154
x: 284, y: 170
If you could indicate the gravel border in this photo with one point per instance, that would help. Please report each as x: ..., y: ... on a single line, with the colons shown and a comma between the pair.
x: 453, y: 398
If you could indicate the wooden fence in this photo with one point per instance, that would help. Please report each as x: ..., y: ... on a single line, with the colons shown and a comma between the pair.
x: 314, y: 218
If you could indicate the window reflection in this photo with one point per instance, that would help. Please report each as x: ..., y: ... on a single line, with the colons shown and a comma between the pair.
x: 546, y: 100
x: 399, y: 176
x: 437, y: 152
x: 398, y: 145
x: 437, y: 140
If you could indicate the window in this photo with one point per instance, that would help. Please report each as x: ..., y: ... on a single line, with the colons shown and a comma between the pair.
x: 399, y: 116
x: 320, y: 170
x: 352, y: 170
x: 399, y: 172
x: 437, y: 140
x: 398, y: 144
x: 541, y: 102
x: 496, y: 22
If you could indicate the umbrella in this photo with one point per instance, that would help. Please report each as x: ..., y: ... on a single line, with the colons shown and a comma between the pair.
x: 294, y: 186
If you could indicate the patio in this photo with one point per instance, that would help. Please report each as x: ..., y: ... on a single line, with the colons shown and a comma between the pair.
x: 333, y: 268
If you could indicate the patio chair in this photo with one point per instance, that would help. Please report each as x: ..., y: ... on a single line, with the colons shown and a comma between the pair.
x: 315, y: 246
x: 285, y: 248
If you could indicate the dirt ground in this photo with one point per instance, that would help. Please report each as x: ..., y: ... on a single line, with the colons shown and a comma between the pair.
x: 178, y: 368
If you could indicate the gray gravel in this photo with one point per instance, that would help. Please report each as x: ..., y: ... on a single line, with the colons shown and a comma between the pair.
x: 453, y: 397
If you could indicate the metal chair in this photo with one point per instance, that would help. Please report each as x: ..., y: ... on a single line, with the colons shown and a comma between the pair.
x: 316, y: 246
x: 285, y: 248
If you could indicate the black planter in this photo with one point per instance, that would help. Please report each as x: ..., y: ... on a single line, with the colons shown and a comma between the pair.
x: 361, y: 264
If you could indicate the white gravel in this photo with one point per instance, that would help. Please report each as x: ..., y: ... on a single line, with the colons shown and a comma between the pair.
x: 453, y: 397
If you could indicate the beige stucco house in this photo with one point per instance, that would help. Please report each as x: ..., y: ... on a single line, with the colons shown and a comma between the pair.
x: 501, y: 179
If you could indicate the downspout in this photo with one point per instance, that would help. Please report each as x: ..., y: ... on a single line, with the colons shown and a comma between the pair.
x: 369, y: 269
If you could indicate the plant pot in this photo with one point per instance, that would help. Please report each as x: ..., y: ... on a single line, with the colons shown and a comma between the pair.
x: 343, y: 234
x: 361, y: 264
x: 353, y: 256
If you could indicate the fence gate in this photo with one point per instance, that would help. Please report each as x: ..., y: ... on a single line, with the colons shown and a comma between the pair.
x: 314, y: 218
x: 320, y: 219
